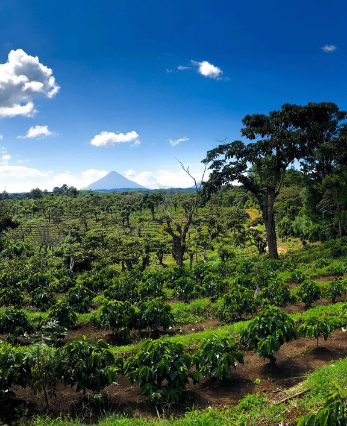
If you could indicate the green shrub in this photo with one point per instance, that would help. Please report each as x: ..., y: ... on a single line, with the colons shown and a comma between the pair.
x: 309, y: 292
x: 80, y: 298
x: 118, y: 316
x: 335, y: 289
x: 237, y: 302
x: 213, y: 286
x: 215, y: 357
x: 63, y: 313
x: 297, y: 276
x: 267, y: 332
x: 161, y: 368
x: 123, y: 291
x: 277, y: 293
x: 11, y: 296
x: 15, y: 322
x: 154, y: 313
x: 150, y: 289
x: 88, y: 365
x: 185, y: 289
x: 42, y: 298
x: 37, y: 280
x: 315, y: 326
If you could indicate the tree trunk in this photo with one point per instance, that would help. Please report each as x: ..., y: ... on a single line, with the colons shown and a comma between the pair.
x: 269, y: 222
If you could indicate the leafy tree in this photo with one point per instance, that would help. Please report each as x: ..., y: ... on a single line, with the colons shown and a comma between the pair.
x: 161, y: 368
x: 267, y: 332
x: 315, y: 326
x: 282, y: 137
x: 88, y: 365
x: 215, y: 357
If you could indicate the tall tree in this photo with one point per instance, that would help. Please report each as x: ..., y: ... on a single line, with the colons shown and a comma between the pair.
x: 280, y: 138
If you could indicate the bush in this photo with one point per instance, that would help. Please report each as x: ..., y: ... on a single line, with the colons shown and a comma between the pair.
x: 123, y: 291
x: 216, y: 356
x: 14, y: 368
x: 42, y: 298
x: 309, y: 292
x: 213, y: 286
x: 154, y: 313
x: 15, y: 322
x: 297, y: 276
x: 11, y: 296
x: 80, y: 298
x: 65, y: 283
x: 88, y: 365
x: 37, y: 280
x: 161, y: 369
x: 63, y: 313
x: 314, y: 327
x: 185, y: 289
x: 335, y: 289
x: 150, y: 289
x: 277, y: 293
x: 118, y: 316
x: 268, y: 331
x: 237, y: 302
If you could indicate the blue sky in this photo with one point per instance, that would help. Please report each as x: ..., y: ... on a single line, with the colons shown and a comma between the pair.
x: 138, y: 83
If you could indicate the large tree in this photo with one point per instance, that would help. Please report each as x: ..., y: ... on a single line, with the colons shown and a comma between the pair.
x: 278, y: 139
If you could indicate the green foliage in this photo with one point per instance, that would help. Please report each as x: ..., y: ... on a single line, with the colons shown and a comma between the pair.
x: 215, y: 357
x: 123, y: 290
x: 316, y: 326
x: 88, y: 365
x: 37, y: 280
x: 237, y: 302
x: 309, y: 292
x: 63, y: 313
x: 150, y: 288
x: 14, y: 368
x: 277, y: 293
x: 297, y: 276
x: 52, y: 330
x: 268, y: 331
x: 185, y: 289
x: 11, y: 296
x: 161, y: 368
x: 42, y: 298
x: 335, y: 289
x: 154, y: 313
x: 15, y: 322
x: 80, y: 298
x: 213, y: 286
x: 333, y: 413
x: 118, y: 316
x: 43, y: 367
x: 65, y: 283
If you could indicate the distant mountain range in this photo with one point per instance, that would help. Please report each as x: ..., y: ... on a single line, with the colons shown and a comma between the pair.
x: 114, y: 181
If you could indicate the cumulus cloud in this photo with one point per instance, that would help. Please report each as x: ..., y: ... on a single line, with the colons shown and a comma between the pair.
x: 23, y: 78
x: 166, y: 179
x: 129, y: 174
x: 329, y: 48
x: 1, y: 137
x: 177, y: 141
x: 38, y: 132
x: 110, y: 138
x: 7, y: 171
x: 208, y: 70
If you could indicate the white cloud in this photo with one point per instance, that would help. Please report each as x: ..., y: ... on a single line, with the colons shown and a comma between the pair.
x: 182, y: 68
x: 167, y: 179
x: 5, y: 159
x: 22, y: 78
x: 177, y: 141
x: 20, y: 172
x: 1, y: 137
x: 329, y: 48
x: 208, y: 70
x: 38, y: 132
x: 129, y: 174
x: 168, y: 70
x: 110, y: 138
x: 24, y: 161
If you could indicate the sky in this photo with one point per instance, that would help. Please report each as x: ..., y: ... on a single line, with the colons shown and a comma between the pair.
x: 88, y: 87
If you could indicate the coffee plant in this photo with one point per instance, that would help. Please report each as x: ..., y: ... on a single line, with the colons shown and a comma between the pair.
x: 267, y: 332
x: 15, y: 323
x: 215, y: 357
x: 118, y: 316
x: 316, y: 326
x: 237, y: 302
x: 161, y: 368
x: 335, y: 289
x: 42, y: 298
x: 154, y: 313
x: 308, y: 293
x: 63, y: 313
x: 80, y: 298
x: 11, y: 296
